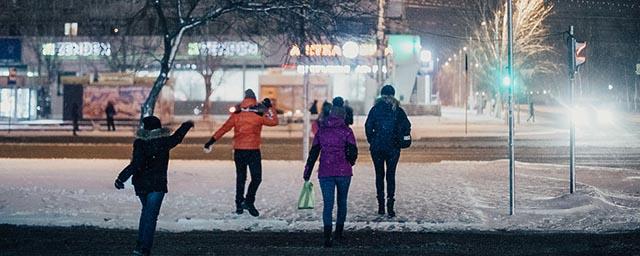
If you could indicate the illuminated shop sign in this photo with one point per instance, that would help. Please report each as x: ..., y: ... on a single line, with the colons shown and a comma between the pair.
x: 339, y: 69
x: 68, y: 49
x: 348, y: 50
x: 223, y: 49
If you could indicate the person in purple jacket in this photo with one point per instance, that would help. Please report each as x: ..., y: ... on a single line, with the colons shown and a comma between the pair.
x: 336, y: 146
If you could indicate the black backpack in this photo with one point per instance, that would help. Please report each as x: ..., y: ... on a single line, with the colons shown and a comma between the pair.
x: 402, y: 130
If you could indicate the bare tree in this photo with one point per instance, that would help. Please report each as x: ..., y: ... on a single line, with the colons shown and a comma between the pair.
x: 487, y: 43
x: 177, y: 17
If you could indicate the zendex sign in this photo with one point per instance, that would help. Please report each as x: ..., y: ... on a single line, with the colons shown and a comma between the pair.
x: 67, y: 49
x: 349, y: 50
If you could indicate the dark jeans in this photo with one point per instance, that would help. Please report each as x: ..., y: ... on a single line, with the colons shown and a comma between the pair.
x: 111, y: 126
x: 151, y: 203
x: 390, y: 158
x: 329, y: 185
x: 253, y: 160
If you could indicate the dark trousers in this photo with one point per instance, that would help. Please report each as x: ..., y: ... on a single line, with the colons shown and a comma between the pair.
x: 253, y: 160
x: 329, y: 185
x: 151, y: 203
x: 390, y: 158
x: 111, y: 126
x: 76, y: 127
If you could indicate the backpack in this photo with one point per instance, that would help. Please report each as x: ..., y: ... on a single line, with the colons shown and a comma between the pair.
x: 402, y: 131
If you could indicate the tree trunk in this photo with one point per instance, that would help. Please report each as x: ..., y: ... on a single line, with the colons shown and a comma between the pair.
x: 206, y: 104
x: 171, y: 45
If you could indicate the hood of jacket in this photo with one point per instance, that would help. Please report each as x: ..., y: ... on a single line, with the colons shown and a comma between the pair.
x: 153, y: 134
x: 389, y: 100
x: 333, y: 121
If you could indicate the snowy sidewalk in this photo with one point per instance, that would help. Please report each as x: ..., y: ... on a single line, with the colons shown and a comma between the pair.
x: 430, y: 197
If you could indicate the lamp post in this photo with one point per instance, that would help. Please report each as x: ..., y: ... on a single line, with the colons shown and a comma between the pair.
x: 510, y: 103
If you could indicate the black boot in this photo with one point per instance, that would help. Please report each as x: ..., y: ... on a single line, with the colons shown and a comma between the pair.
x: 239, y: 209
x: 251, y: 208
x: 327, y: 236
x: 381, y: 206
x: 338, y: 235
x: 390, y: 210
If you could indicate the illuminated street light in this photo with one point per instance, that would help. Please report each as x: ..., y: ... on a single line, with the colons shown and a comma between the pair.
x: 610, y: 87
x: 464, y: 48
x: 506, y: 81
x: 350, y: 50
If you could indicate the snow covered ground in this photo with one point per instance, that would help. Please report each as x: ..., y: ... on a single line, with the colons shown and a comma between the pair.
x: 430, y: 197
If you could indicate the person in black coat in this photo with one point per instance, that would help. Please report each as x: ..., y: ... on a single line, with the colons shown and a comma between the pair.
x: 75, y: 116
x: 148, y: 167
x: 110, y: 110
x: 383, y: 122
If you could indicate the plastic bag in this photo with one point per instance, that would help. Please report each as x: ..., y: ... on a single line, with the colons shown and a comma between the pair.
x: 307, y: 197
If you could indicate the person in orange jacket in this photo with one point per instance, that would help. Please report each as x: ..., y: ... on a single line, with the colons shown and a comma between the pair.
x: 247, y: 122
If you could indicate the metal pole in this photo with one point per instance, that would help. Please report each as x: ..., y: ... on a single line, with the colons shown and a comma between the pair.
x: 511, y: 85
x: 466, y: 94
x: 572, y: 124
x: 306, y: 118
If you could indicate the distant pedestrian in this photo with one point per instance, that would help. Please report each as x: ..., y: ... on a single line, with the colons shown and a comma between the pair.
x: 325, y: 111
x: 110, y: 110
x: 532, y: 112
x: 384, y: 120
x: 335, y: 144
x: 148, y: 167
x: 247, y: 122
x: 339, y: 102
x: 314, y: 107
x: 75, y: 116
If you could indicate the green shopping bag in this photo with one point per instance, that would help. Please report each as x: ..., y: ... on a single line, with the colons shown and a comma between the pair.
x: 307, y: 197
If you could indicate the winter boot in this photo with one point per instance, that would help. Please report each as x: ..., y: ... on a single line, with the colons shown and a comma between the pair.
x: 390, y: 210
x: 251, y: 208
x: 381, y: 206
x: 338, y: 235
x: 239, y: 209
x: 327, y: 236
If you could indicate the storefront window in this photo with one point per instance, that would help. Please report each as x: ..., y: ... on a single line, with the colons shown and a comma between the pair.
x: 227, y: 85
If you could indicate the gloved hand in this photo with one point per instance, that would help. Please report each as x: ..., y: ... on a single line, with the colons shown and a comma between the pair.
x: 267, y: 102
x: 189, y: 123
x: 209, y: 143
x: 118, y: 184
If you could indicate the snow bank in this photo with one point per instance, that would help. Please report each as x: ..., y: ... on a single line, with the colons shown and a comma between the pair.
x: 430, y: 197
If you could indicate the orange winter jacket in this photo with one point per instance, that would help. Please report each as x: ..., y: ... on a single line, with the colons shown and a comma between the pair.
x: 247, y: 125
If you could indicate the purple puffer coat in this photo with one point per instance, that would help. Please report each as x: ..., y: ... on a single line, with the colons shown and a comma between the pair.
x: 336, y: 145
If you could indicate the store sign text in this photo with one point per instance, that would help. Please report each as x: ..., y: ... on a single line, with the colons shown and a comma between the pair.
x: 68, y: 49
x: 339, y: 69
x: 349, y: 50
x: 223, y: 49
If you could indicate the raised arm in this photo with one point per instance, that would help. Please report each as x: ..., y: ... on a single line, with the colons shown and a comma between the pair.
x: 178, y: 135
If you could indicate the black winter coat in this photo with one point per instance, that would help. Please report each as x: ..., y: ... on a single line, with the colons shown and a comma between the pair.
x: 151, y: 158
x: 384, y: 121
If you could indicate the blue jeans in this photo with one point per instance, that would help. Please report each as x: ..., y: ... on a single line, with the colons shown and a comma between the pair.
x: 328, y: 185
x: 151, y: 203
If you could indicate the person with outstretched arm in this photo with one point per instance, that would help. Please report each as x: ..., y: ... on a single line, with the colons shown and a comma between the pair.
x: 247, y: 122
x: 148, y: 166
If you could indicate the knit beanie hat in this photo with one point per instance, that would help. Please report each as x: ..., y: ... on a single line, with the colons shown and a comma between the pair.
x: 151, y: 123
x: 249, y: 94
x: 338, y: 102
x: 387, y: 90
